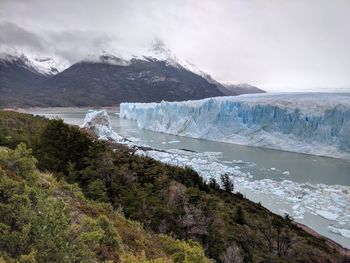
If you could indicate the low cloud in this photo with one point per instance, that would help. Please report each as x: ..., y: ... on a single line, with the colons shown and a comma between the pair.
x: 74, y: 45
x: 13, y: 35
x: 68, y: 45
x: 274, y: 44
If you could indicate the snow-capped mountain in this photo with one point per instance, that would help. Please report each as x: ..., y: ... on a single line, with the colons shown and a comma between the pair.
x: 109, y: 80
x: 150, y: 74
x: 21, y: 78
x: 157, y: 51
x: 47, y: 66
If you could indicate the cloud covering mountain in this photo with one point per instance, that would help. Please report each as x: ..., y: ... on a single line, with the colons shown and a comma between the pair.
x: 278, y: 45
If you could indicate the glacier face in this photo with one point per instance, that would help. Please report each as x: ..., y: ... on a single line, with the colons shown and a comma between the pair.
x: 312, y: 123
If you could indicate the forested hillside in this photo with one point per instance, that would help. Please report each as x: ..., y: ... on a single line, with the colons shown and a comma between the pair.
x: 166, y: 200
x: 45, y: 220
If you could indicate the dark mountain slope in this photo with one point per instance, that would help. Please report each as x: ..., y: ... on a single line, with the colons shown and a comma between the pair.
x: 18, y: 81
x: 243, y: 88
x: 104, y: 84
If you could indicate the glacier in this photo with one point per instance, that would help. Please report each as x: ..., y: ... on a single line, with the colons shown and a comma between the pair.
x: 311, y: 123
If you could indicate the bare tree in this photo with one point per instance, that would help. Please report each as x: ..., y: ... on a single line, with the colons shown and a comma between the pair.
x: 266, y: 231
x: 232, y: 254
x: 194, y: 222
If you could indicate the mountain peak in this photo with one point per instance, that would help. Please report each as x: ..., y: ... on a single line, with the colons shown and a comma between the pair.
x: 40, y: 65
x: 161, y: 52
x: 160, y: 49
x: 159, y: 46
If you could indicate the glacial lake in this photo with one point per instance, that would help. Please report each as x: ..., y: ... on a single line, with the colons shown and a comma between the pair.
x: 314, y: 190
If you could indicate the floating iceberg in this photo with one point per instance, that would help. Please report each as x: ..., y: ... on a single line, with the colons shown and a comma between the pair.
x: 99, y: 123
x: 340, y: 231
x: 312, y: 123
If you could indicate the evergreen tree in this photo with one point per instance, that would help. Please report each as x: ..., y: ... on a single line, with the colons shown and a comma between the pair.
x: 227, y: 183
x: 61, y: 144
x: 240, y: 216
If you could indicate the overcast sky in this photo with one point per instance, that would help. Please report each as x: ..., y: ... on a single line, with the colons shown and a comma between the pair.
x: 274, y: 44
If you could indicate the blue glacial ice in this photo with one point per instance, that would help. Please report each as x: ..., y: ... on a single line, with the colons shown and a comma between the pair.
x: 99, y: 123
x: 312, y: 123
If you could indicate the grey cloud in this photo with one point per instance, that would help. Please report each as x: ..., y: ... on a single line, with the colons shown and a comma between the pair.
x: 74, y: 45
x: 14, y: 35
x: 70, y: 45
x: 275, y: 44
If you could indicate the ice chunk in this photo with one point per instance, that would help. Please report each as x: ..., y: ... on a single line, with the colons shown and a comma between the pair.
x: 327, y: 214
x: 340, y: 231
x: 173, y: 141
x: 99, y: 123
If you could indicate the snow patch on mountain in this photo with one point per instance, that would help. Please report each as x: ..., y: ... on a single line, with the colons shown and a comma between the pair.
x: 43, y: 65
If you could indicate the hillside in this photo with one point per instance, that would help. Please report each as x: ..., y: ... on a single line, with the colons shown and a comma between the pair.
x: 19, y: 80
x: 165, y: 199
x: 45, y: 220
x: 242, y: 88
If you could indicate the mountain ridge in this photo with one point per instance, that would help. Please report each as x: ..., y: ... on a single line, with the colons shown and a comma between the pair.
x: 105, y: 79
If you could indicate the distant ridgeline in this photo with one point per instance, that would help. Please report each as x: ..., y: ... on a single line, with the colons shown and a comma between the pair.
x: 107, y: 80
x: 314, y: 123
x: 47, y: 218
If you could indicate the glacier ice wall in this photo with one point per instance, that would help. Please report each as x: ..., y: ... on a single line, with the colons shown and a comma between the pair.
x: 313, y: 123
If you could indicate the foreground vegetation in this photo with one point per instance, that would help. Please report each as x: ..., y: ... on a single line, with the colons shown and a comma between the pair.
x: 166, y: 200
x: 45, y: 220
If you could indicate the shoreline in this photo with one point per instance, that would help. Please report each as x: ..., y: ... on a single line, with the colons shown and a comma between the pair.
x: 342, y: 250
